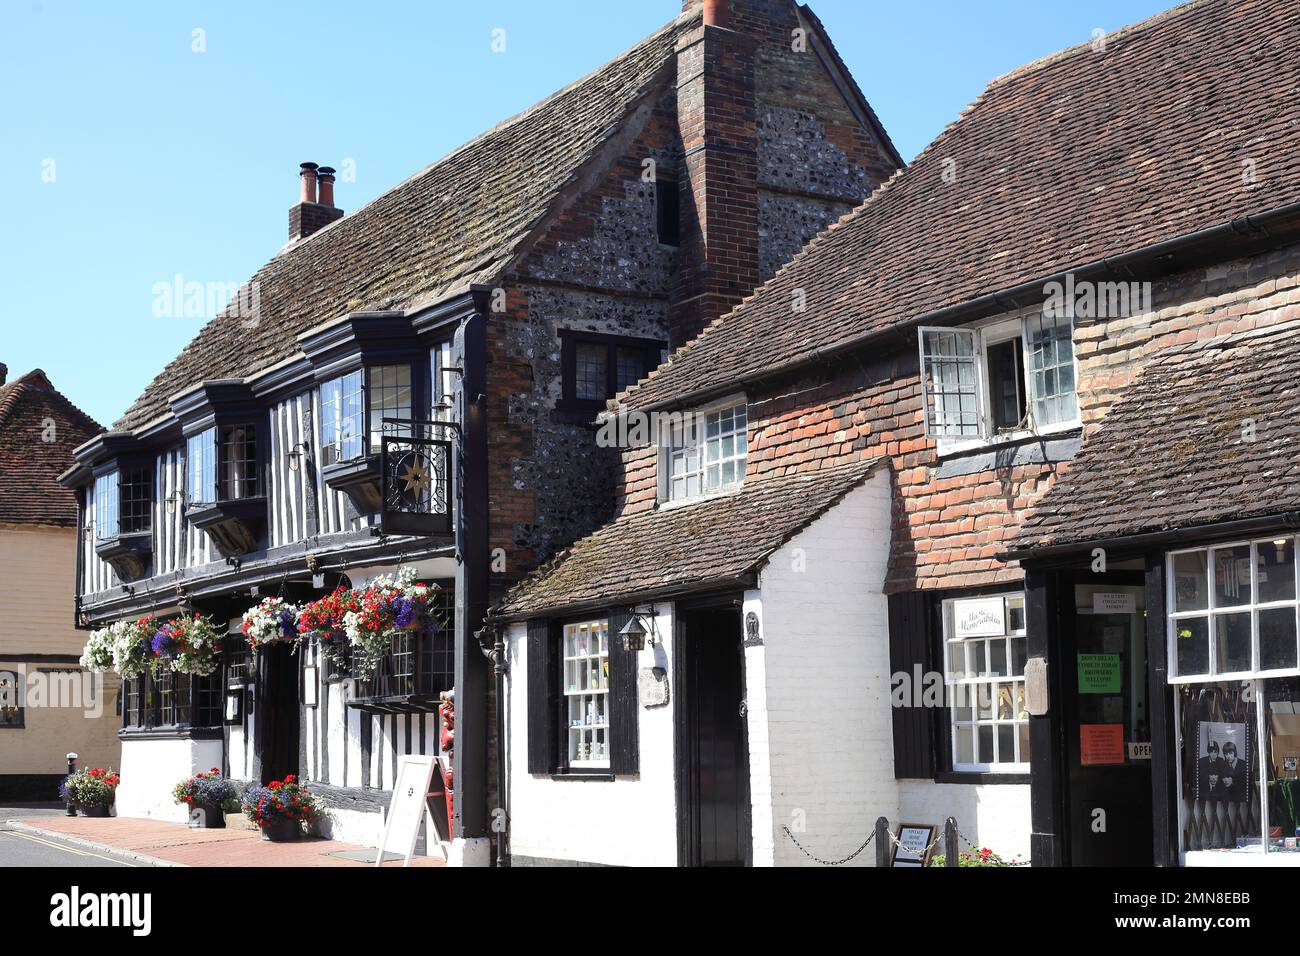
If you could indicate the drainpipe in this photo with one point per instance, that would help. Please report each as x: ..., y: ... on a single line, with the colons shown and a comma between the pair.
x: 496, y: 653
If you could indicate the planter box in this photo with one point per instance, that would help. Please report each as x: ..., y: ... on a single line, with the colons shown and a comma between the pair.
x: 93, y: 811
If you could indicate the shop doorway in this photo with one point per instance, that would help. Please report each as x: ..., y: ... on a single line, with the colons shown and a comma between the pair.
x: 1106, y: 722
x: 712, y: 741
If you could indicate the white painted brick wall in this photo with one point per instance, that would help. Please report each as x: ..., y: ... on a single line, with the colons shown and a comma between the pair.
x: 819, y: 714
x: 995, y: 816
x: 629, y: 821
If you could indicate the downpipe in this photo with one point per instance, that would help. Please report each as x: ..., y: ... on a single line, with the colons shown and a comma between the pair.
x: 492, y: 644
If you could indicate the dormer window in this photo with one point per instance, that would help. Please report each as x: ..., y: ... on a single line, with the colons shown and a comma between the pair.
x: 354, y: 410
x: 1005, y: 378
x: 707, y: 452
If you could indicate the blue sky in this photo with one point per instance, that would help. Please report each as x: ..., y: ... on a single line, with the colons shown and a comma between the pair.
x: 128, y: 157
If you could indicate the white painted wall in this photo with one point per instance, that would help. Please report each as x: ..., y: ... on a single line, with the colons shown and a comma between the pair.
x: 630, y: 821
x: 820, y: 723
x: 994, y: 816
x: 150, y: 768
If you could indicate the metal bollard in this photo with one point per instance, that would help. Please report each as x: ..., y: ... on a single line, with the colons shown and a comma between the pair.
x: 950, y: 842
x: 72, y: 768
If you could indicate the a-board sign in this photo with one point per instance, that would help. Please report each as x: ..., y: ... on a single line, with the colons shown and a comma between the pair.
x: 914, y: 844
x: 406, y: 808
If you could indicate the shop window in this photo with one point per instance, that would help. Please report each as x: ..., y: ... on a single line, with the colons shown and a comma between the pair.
x: 1006, y: 378
x: 585, y: 684
x: 984, y: 650
x: 1233, y: 656
x: 707, y: 452
x: 583, y: 708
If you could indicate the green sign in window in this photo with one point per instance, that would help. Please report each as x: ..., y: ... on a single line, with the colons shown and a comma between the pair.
x: 1100, y: 674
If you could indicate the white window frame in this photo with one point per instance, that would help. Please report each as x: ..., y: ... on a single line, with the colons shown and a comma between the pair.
x: 1256, y: 676
x: 965, y: 689
x: 1211, y: 612
x: 993, y: 332
x: 668, y: 449
x: 585, y: 703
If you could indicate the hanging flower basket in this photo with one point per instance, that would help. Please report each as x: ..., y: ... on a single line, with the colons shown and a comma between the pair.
x: 273, y: 621
x: 323, y: 620
x: 391, y: 605
x: 123, y: 646
x: 198, y: 646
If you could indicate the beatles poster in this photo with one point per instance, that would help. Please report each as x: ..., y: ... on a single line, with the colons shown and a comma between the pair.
x: 1223, y: 772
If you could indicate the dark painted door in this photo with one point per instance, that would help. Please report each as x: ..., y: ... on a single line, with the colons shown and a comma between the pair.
x: 1107, y: 727
x: 276, y: 730
x: 714, y: 750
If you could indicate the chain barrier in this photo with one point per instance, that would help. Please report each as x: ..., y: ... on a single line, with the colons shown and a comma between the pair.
x: 816, y: 859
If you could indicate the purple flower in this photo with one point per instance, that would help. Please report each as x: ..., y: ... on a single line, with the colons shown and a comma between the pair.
x: 404, y: 612
x: 163, y: 644
x: 287, y: 625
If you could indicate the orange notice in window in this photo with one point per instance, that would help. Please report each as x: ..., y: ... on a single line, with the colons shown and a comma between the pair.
x: 1101, y: 744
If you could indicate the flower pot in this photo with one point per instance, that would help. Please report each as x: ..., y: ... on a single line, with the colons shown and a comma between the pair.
x: 280, y: 830
x: 207, y: 816
x: 97, y: 811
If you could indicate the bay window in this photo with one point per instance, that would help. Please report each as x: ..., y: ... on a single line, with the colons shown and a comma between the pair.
x: 1003, y: 378
x: 222, y: 465
x: 1234, y: 659
x: 984, y: 651
x: 353, y: 409
x: 341, y: 408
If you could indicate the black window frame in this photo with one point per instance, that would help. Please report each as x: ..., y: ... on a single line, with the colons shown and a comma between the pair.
x: 133, y: 501
x: 651, y: 351
x: 368, y: 441
x: 173, y: 701
x: 218, y: 440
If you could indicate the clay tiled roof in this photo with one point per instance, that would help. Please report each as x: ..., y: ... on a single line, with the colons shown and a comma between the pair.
x: 1085, y: 155
x: 690, y: 547
x: 39, y: 429
x: 1174, y: 452
x: 457, y: 222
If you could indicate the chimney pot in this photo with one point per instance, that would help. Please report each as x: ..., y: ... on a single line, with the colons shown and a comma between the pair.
x: 715, y: 13
x: 4, y: 373
x: 307, y: 175
x: 325, y: 179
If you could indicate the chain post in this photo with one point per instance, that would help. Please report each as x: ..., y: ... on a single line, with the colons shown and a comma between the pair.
x: 882, y: 841
x: 950, y: 841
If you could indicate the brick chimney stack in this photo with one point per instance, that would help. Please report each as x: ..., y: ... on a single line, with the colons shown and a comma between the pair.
x: 717, y: 121
x: 313, y: 211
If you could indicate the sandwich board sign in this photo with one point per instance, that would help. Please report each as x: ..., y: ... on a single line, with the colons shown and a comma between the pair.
x: 406, y: 808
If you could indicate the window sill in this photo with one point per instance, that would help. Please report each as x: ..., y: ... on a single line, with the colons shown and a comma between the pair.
x: 947, y: 448
x: 669, y: 503
x: 170, y: 733
x: 981, y: 778
x: 606, y: 776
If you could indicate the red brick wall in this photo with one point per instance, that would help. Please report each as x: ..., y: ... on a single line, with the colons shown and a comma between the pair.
x: 947, y: 532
